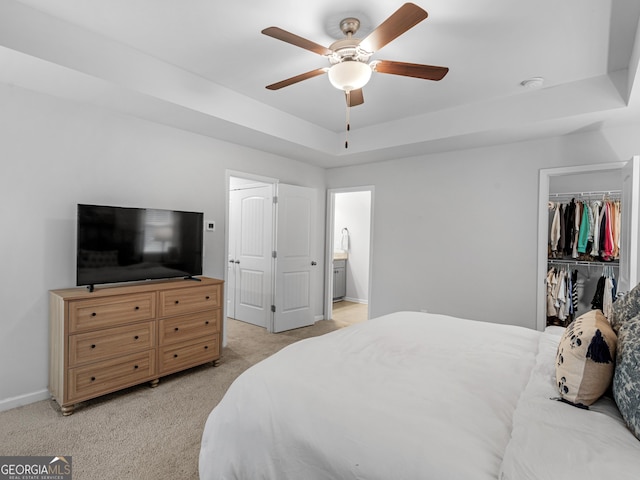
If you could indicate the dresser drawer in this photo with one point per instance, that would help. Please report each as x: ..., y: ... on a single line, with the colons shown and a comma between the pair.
x: 188, y: 354
x: 110, y: 311
x: 103, y: 377
x: 189, y: 300
x: 110, y: 342
x: 197, y: 325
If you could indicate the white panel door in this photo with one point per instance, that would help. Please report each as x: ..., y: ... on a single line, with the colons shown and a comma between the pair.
x: 295, y: 263
x: 230, y: 286
x: 628, y: 276
x: 252, y: 258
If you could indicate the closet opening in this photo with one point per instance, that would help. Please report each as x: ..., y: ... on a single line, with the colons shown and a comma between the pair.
x: 587, y: 239
x: 348, y: 254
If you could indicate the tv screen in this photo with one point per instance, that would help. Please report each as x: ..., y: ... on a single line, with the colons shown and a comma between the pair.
x: 120, y: 244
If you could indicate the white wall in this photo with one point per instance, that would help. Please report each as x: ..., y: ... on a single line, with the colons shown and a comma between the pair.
x: 56, y: 154
x: 352, y: 211
x: 453, y: 232
x: 456, y: 232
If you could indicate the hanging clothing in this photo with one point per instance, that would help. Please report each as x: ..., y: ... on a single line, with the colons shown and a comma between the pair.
x: 595, y: 209
x: 603, y: 227
x: 576, y: 231
x: 570, y: 226
x: 563, y: 226
x: 552, y: 280
x: 574, y: 292
x: 561, y: 296
x: 561, y: 307
x: 616, y: 219
x: 607, y: 254
x: 555, y: 226
x: 584, y: 233
x: 607, y: 298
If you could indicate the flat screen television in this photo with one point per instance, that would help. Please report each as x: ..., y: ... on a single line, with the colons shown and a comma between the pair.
x: 121, y: 244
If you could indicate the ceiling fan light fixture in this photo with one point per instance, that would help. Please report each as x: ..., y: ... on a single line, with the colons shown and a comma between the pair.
x: 349, y: 75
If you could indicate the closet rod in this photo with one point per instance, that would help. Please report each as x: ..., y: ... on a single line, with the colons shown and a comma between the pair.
x: 587, y: 194
x: 583, y: 263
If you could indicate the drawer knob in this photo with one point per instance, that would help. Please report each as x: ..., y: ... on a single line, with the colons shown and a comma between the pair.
x: 137, y: 307
x: 206, y: 347
x: 175, y: 355
x: 177, y: 302
x: 176, y: 329
x: 207, y: 297
x: 93, y: 379
x: 207, y: 322
x: 93, y: 345
x: 136, y: 337
x: 135, y: 367
x: 93, y: 314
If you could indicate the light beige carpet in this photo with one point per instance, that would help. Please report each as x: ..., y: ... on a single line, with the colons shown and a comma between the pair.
x: 144, y: 433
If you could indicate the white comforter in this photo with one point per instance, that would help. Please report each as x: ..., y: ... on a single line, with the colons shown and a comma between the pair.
x: 404, y: 396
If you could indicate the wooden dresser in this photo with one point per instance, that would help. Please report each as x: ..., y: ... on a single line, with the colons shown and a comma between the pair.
x: 119, y: 336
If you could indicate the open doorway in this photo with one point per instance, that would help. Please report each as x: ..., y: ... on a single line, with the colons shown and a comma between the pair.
x: 349, y: 234
x: 591, y: 179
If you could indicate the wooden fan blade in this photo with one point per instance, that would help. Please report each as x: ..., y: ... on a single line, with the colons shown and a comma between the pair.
x: 354, y: 98
x: 293, y: 39
x: 427, y: 72
x: 406, y: 17
x: 296, y: 79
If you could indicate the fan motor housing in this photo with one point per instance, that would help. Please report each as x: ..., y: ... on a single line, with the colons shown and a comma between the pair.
x: 348, y: 49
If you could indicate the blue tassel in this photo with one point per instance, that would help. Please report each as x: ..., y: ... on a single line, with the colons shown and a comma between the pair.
x: 598, y: 350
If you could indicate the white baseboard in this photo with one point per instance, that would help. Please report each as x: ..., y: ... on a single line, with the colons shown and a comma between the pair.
x: 14, y: 402
x: 356, y: 300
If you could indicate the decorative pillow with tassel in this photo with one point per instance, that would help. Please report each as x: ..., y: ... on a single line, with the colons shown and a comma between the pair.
x: 626, y: 381
x: 585, y: 359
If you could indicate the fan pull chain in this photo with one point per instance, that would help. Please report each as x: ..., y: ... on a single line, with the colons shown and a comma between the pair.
x: 346, y: 135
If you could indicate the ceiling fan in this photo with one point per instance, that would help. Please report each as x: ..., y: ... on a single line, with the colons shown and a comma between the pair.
x: 350, y: 69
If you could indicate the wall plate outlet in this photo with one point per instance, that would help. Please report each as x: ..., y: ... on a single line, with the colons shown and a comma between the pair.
x: 210, y: 225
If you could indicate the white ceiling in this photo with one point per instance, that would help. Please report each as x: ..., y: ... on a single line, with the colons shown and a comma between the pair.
x: 202, y: 65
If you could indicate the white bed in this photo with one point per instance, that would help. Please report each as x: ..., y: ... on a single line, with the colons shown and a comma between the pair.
x: 413, y: 396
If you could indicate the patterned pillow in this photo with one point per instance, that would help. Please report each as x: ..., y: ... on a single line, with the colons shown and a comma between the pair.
x: 626, y: 380
x: 625, y: 308
x: 584, y: 361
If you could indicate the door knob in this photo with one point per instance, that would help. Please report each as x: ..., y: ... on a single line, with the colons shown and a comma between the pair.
x: 238, y: 261
x: 313, y: 264
x: 231, y: 261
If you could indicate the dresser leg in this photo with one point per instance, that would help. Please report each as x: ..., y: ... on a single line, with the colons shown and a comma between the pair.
x: 154, y: 383
x: 67, y: 410
x: 216, y: 363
